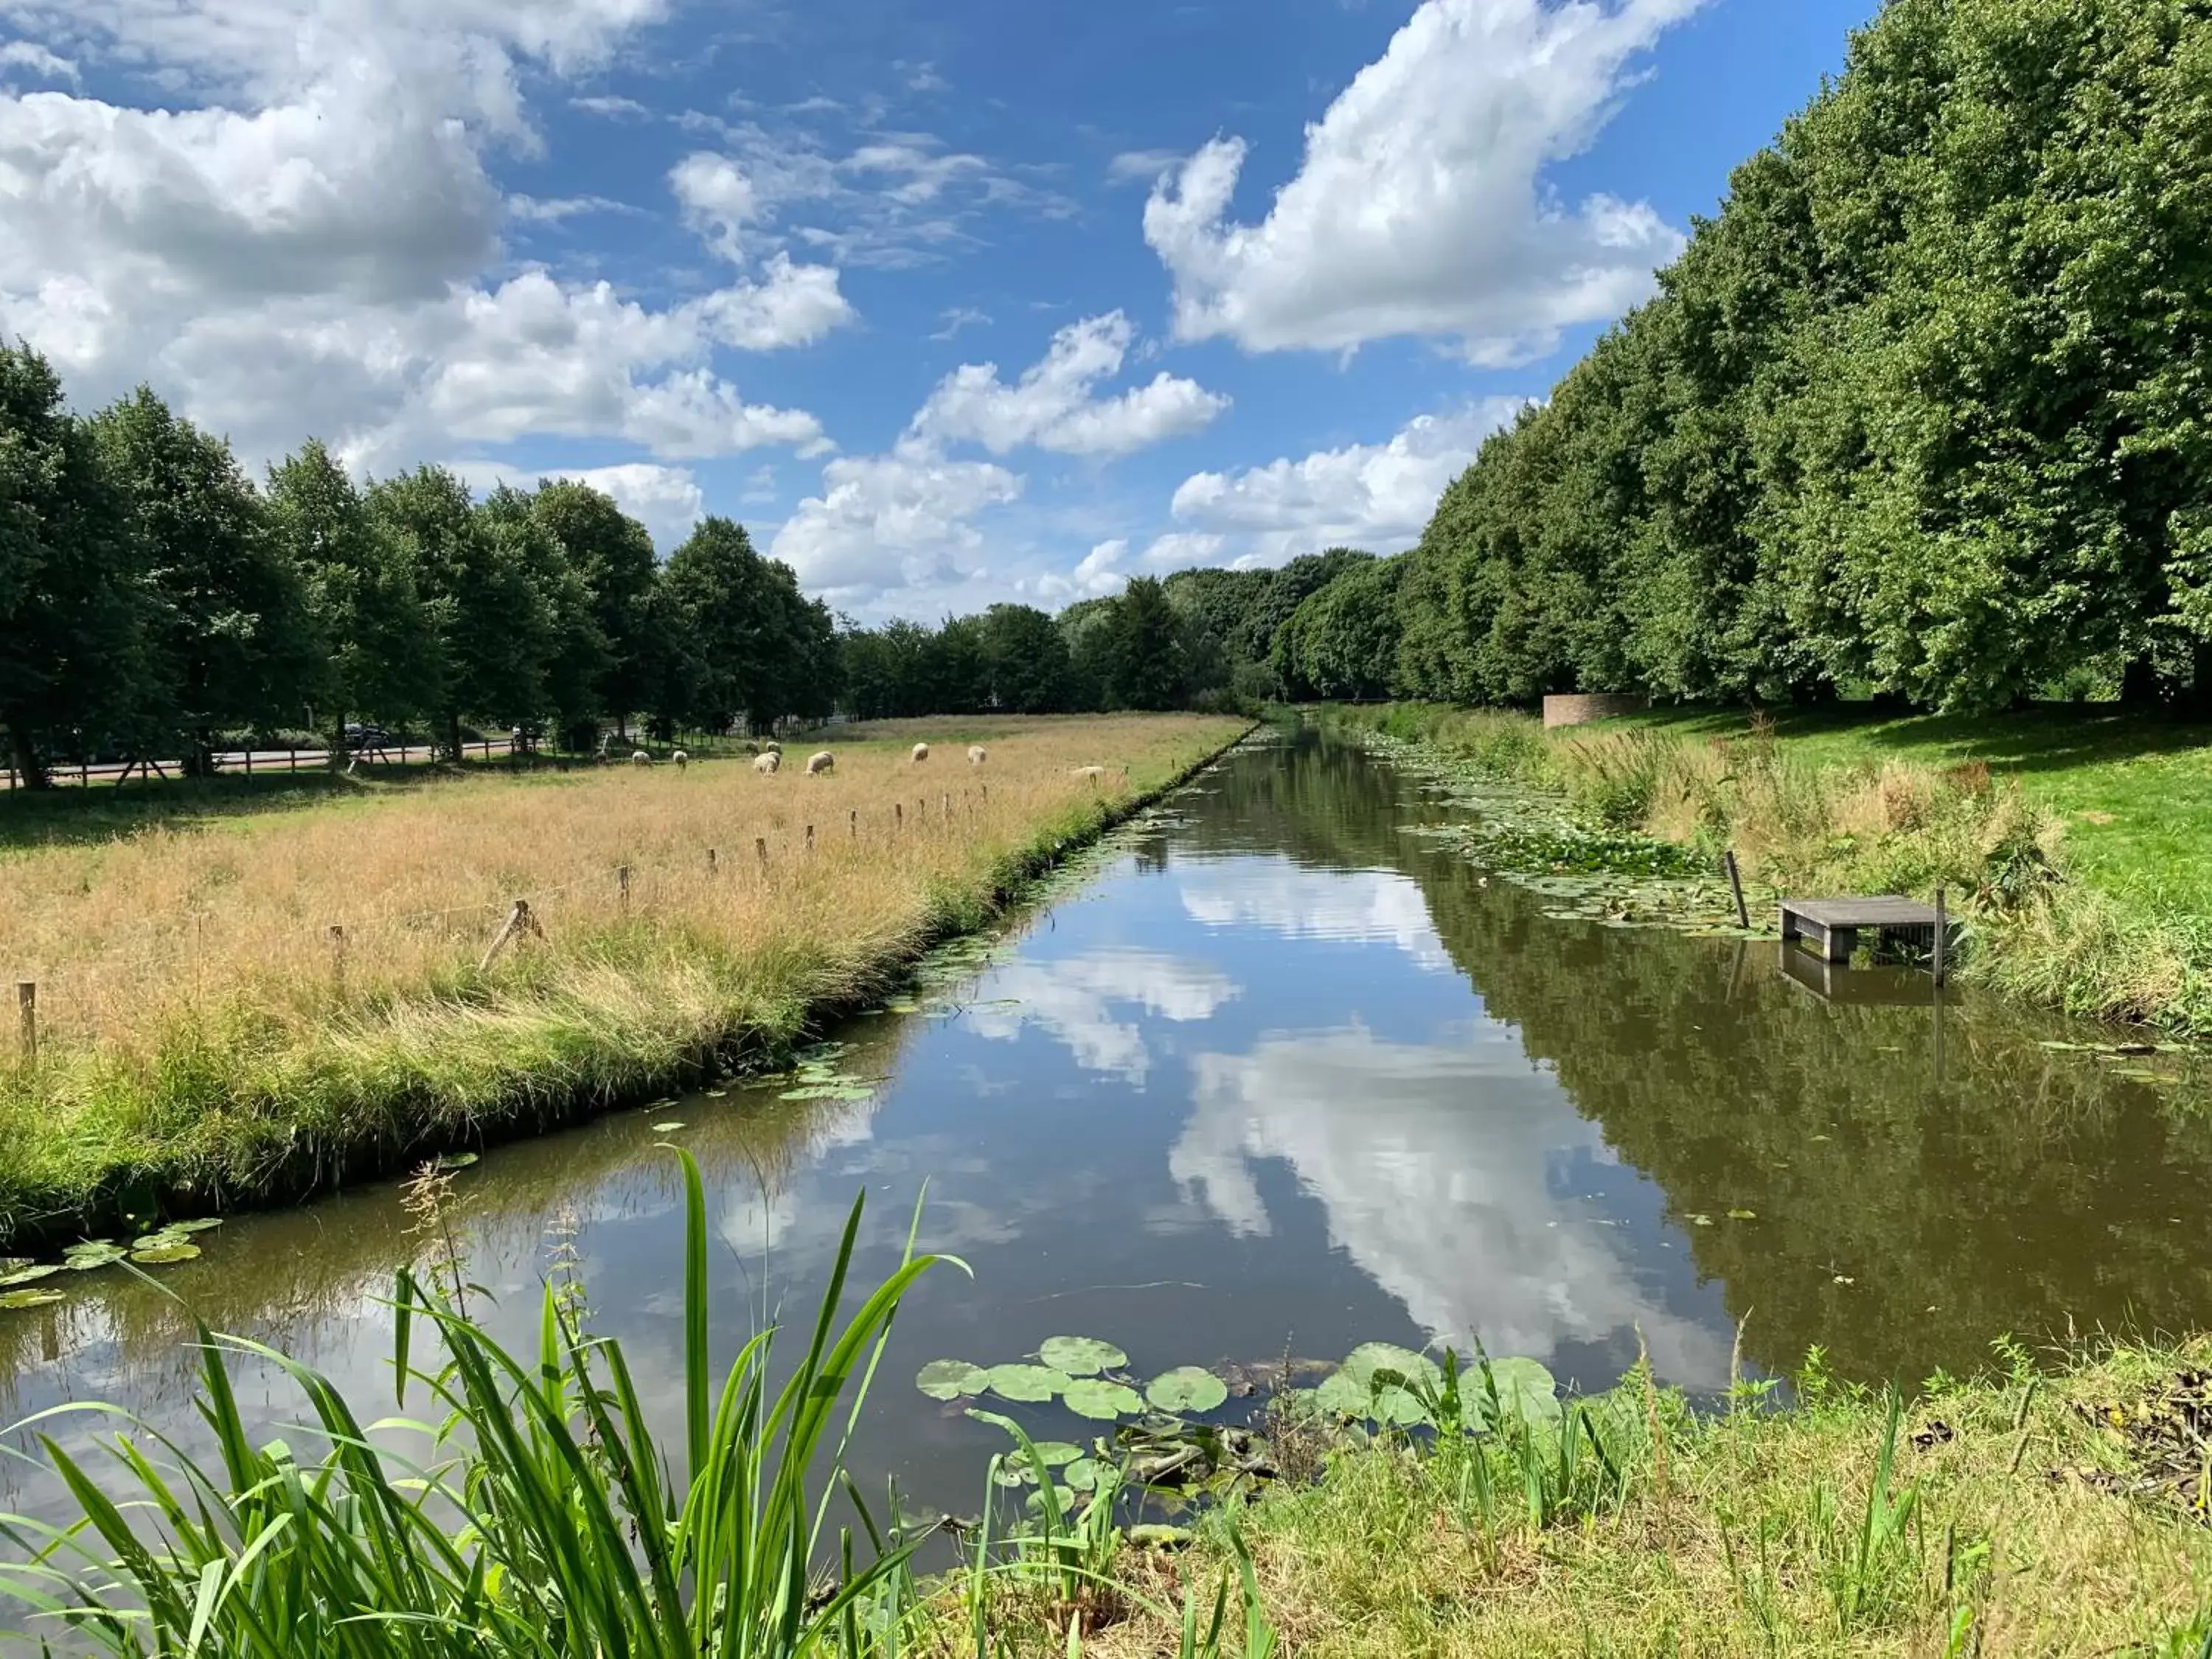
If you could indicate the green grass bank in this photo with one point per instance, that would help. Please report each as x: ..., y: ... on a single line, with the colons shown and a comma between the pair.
x: 2077, y: 844
x: 272, y: 1066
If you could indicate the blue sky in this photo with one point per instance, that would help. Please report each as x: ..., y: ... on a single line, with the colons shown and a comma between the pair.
x: 950, y: 304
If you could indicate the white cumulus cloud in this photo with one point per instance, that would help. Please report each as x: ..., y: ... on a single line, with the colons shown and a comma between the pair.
x: 303, y: 236
x: 1377, y: 497
x: 905, y: 519
x: 1051, y: 405
x: 1420, y: 206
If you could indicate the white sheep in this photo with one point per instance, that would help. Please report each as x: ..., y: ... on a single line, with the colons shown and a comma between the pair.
x: 639, y: 757
x: 824, y: 762
x: 771, y: 747
x: 920, y: 753
x: 682, y: 757
x: 766, y: 765
x: 976, y: 754
x: 1093, y: 772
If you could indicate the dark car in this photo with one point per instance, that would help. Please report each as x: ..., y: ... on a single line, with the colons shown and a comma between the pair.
x: 367, y: 736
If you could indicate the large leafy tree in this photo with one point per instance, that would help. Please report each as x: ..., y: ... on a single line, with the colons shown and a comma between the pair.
x: 492, y: 631
x: 1025, y: 658
x: 232, y: 636
x: 755, y: 647
x: 382, y: 662
x: 612, y: 555
x: 575, y: 665
x: 75, y: 673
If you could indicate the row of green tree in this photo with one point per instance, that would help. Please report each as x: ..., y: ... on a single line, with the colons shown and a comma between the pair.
x: 1206, y: 638
x: 153, y: 598
x: 1921, y: 415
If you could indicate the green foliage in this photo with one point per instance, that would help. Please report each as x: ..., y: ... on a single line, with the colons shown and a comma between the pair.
x: 492, y: 629
x: 1919, y: 412
x: 72, y: 581
x: 382, y: 661
x: 229, y: 632
x: 612, y: 556
x: 747, y: 642
x: 546, y: 1517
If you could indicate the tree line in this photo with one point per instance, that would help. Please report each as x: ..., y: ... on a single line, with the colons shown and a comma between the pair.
x: 154, y: 598
x: 1920, y: 416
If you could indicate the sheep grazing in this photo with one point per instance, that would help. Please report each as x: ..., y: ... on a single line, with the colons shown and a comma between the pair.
x: 682, y: 757
x: 1093, y: 772
x: 818, y: 764
x: 976, y: 755
x: 920, y: 753
x: 639, y: 757
x: 771, y: 747
x: 766, y: 765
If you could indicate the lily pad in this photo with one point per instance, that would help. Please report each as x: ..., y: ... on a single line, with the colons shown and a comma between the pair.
x: 205, y: 1224
x: 1081, y: 1356
x: 1525, y: 1388
x: 1028, y: 1383
x: 158, y: 1240
x: 1743, y: 1215
x: 452, y: 1160
x: 94, y: 1253
x: 949, y: 1379
x: 667, y: 1128
x: 1369, y: 1358
x: 30, y: 1275
x: 1345, y: 1394
x: 30, y: 1298
x: 1081, y: 1474
x: 162, y: 1255
x: 1095, y: 1397
x: 1186, y: 1388
x: 1053, y: 1454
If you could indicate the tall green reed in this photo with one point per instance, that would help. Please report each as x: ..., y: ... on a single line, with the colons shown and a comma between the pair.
x: 545, y: 1519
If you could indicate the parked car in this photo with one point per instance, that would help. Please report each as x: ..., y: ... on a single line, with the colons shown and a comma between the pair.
x: 367, y: 736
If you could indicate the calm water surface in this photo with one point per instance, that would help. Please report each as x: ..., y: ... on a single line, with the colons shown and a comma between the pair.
x: 1285, y: 1078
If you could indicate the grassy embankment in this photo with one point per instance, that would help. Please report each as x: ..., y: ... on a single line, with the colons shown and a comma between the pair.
x: 2027, y: 1514
x: 205, y: 1039
x: 2079, y: 841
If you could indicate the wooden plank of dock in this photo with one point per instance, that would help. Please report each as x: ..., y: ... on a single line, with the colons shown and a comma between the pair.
x: 1833, y: 926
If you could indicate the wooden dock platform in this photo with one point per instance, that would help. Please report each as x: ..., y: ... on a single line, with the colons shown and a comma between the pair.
x: 1833, y: 926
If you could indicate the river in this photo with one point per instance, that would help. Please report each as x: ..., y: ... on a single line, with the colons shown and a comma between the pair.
x: 1281, y: 1077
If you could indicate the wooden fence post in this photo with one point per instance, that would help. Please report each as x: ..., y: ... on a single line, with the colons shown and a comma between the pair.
x: 809, y: 837
x: 1735, y: 884
x: 1943, y: 929
x: 712, y: 860
x: 622, y: 886
x: 760, y: 849
x: 27, y: 1012
x: 854, y: 818
x: 898, y: 816
x: 337, y: 956
x: 519, y: 921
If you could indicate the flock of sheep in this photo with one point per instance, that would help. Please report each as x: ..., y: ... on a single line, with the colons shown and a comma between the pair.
x: 769, y: 761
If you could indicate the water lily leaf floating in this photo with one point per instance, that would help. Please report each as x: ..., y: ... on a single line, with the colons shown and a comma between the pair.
x: 93, y: 1253
x: 1186, y: 1390
x: 1096, y: 1398
x: 668, y: 1128
x: 1081, y: 1474
x: 160, y: 1255
x: 1081, y: 1356
x: 1028, y: 1383
x: 30, y: 1298
x: 30, y: 1275
x: 949, y: 1379
x: 1526, y: 1389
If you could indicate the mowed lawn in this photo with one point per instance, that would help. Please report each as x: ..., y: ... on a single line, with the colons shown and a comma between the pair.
x: 2134, y: 790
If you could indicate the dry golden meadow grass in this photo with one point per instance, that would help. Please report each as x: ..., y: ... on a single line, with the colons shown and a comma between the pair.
x: 188, y: 979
